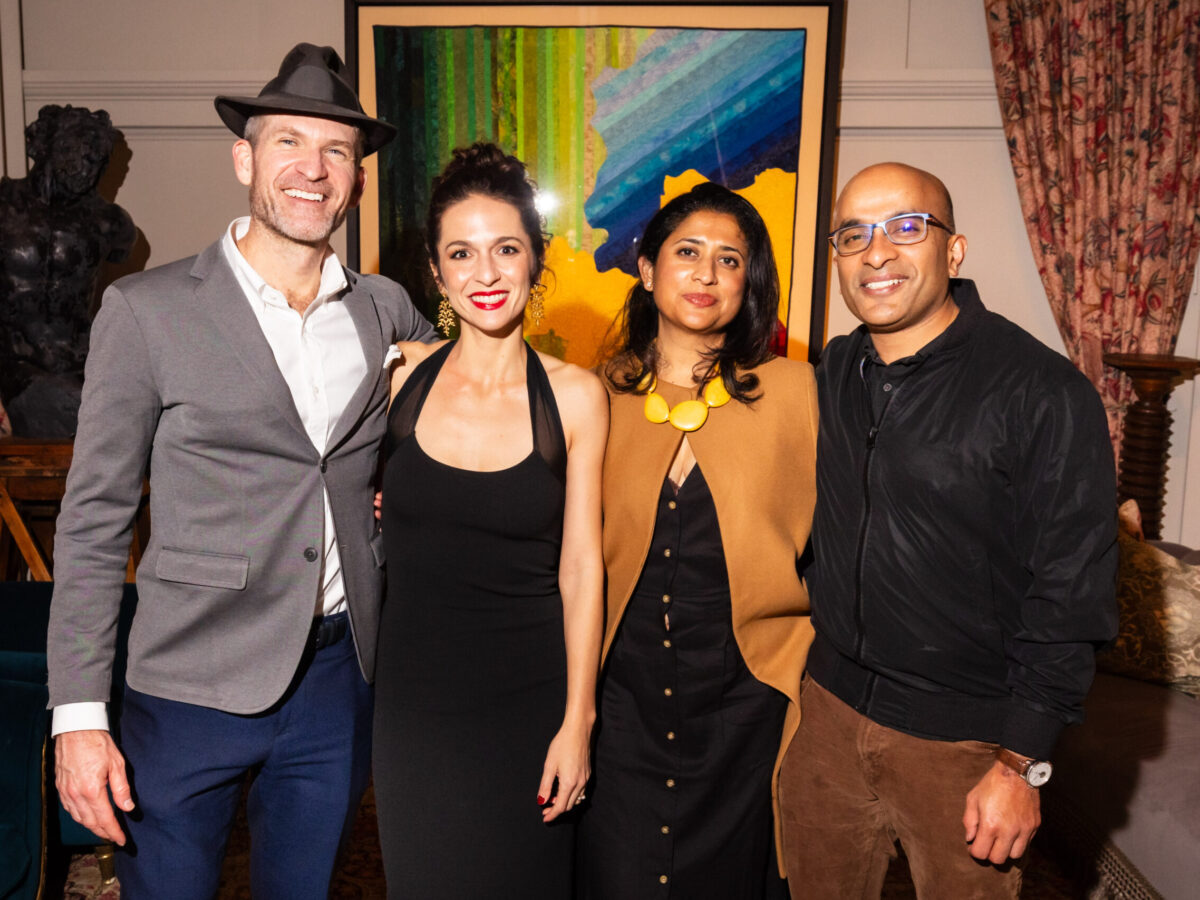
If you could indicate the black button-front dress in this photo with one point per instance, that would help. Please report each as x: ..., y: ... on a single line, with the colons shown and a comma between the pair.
x: 687, y: 736
x: 471, y: 678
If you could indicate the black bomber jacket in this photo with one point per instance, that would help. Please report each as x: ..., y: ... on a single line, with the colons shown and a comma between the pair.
x: 964, y: 545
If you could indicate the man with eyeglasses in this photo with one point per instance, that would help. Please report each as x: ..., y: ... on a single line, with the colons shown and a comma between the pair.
x: 963, y: 566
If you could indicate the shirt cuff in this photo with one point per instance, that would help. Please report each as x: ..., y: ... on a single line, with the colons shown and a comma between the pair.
x: 1031, y: 733
x: 394, y: 354
x: 84, y: 716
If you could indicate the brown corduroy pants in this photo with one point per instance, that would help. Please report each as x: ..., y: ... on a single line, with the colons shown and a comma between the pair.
x: 849, y: 788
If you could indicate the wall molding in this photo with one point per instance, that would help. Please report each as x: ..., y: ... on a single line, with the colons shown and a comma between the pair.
x: 47, y: 84
x: 887, y: 133
x: 145, y: 103
x: 924, y: 101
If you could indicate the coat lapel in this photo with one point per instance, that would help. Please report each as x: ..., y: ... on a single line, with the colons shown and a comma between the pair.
x: 223, y: 299
x: 361, y: 306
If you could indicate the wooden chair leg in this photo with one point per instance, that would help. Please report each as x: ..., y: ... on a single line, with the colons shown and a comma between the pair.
x: 24, y: 540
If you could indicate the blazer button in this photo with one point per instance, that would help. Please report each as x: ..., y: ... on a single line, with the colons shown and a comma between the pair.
x: 310, y: 553
x: 323, y: 465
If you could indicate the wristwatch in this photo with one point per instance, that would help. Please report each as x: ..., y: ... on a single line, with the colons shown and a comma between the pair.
x: 1036, y: 772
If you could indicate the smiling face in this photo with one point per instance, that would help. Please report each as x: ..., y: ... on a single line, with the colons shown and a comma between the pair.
x: 699, y: 278
x: 899, y: 291
x: 485, y: 262
x: 303, y: 174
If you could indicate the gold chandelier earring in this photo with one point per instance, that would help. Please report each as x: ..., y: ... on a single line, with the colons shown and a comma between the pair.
x: 446, y: 319
x: 537, y: 303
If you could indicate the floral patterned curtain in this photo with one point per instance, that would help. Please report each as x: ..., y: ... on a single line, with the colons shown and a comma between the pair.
x: 1101, y: 108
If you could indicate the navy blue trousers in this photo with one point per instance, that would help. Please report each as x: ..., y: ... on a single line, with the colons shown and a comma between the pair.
x: 310, y: 759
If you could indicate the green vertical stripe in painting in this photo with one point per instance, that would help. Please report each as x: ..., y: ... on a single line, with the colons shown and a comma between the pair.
x: 504, y: 92
x: 429, y: 54
x: 579, y: 164
x: 558, y: 109
x: 462, y: 87
x: 481, y: 94
x: 545, y: 107
x: 488, y: 81
x: 531, y: 112
x: 448, y: 92
x: 519, y: 84
x: 467, y: 135
x: 561, y: 108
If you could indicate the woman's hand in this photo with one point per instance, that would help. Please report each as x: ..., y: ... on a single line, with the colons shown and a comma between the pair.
x: 569, y: 761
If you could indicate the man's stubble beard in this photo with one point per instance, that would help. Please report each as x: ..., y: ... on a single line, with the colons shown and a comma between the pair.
x: 263, y: 211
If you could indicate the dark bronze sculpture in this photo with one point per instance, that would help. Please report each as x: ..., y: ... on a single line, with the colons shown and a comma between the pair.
x: 55, y: 231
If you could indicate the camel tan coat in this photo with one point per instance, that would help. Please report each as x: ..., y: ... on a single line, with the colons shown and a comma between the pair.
x: 760, y: 463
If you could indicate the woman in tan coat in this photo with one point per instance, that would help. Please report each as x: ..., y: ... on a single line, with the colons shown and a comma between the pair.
x: 708, y: 498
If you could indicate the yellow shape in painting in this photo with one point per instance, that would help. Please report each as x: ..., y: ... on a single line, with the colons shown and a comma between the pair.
x: 581, y: 303
x: 773, y: 194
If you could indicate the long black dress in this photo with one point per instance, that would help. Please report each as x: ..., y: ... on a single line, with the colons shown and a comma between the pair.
x: 686, y: 735
x: 471, y: 678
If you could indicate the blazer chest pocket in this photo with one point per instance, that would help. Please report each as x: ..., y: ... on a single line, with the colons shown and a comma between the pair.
x: 219, y: 570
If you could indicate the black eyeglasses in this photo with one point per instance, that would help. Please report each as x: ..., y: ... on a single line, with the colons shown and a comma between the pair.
x: 909, y: 228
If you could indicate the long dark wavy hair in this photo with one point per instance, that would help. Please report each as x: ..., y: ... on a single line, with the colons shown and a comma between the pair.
x: 747, y: 337
x: 486, y: 170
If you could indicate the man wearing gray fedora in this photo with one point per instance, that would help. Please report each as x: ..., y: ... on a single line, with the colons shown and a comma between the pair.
x: 248, y: 381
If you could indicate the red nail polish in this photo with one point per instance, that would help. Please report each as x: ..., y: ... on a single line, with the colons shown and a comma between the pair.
x: 541, y: 800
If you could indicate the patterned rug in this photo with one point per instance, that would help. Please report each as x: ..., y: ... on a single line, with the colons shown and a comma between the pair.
x: 360, y: 874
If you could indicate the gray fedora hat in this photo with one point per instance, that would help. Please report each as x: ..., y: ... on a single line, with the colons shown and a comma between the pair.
x: 311, y: 82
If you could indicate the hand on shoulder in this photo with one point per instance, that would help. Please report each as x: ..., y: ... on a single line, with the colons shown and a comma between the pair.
x: 406, y: 356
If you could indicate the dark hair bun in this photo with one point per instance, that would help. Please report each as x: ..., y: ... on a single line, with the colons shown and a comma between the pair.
x: 472, y: 161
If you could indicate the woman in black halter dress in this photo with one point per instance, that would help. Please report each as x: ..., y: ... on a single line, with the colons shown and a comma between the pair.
x: 489, y: 640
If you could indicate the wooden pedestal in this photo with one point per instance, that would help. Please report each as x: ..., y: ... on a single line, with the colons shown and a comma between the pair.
x: 1147, y: 436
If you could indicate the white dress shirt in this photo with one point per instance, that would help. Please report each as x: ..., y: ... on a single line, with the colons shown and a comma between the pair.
x: 321, y: 359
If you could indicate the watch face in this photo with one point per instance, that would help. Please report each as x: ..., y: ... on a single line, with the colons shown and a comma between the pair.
x: 1038, y: 773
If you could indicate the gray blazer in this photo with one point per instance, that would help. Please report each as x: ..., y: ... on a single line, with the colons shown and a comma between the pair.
x: 181, y: 377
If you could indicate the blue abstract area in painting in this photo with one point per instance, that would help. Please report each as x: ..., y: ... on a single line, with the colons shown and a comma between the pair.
x: 725, y: 103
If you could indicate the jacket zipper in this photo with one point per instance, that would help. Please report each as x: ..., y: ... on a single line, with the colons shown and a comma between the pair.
x: 860, y: 555
x: 861, y: 552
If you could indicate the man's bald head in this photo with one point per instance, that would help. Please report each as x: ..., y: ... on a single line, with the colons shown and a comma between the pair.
x: 929, y: 185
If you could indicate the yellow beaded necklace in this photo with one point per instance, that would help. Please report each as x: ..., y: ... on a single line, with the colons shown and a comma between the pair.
x: 688, y: 415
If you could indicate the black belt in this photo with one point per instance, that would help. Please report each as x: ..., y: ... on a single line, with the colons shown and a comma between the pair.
x: 328, y: 630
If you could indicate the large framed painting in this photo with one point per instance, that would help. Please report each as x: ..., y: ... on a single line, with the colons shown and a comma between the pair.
x: 614, y: 109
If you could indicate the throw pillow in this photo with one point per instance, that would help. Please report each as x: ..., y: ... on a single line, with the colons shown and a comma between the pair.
x: 1159, y: 636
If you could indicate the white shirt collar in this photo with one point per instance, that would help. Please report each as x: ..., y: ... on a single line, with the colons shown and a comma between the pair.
x: 333, y: 276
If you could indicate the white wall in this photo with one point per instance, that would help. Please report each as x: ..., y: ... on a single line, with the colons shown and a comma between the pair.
x: 917, y: 87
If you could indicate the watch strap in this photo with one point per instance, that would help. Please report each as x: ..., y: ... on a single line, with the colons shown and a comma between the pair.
x: 1016, y: 762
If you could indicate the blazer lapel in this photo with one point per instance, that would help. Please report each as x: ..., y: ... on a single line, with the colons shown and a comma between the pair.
x: 223, y: 299
x: 361, y: 306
